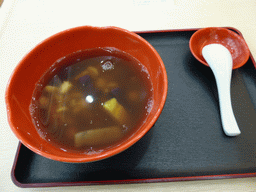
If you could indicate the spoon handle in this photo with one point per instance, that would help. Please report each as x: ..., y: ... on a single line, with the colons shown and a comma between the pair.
x: 229, y: 123
x: 220, y: 61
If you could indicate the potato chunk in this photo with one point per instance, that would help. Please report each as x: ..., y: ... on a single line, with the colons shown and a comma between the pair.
x: 98, y: 136
x: 44, y: 102
x: 51, y: 89
x: 61, y: 109
x: 83, y: 73
x: 136, y: 95
x: 92, y: 71
x: 101, y: 83
x: 116, y: 110
x: 110, y: 86
x: 65, y: 87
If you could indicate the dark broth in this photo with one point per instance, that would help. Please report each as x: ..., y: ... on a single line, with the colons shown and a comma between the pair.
x: 91, y: 99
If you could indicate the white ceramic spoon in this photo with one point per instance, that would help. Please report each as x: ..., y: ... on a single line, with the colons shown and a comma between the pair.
x: 220, y: 61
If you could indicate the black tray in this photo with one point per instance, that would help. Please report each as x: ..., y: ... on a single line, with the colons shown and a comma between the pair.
x: 186, y: 143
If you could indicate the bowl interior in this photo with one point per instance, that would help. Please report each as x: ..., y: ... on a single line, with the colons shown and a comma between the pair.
x: 36, y: 62
x: 231, y: 40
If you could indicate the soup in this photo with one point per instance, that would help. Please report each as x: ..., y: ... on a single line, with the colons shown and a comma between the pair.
x: 91, y: 99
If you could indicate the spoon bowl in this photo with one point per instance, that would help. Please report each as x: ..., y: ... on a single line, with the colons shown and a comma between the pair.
x: 216, y: 35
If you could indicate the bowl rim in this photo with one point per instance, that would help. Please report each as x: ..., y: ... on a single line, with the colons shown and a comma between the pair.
x: 124, y: 145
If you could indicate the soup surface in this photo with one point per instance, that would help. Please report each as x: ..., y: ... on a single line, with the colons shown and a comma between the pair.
x: 91, y: 99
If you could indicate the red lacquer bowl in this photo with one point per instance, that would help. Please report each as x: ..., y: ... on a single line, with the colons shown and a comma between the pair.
x: 27, y: 73
x: 231, y: 40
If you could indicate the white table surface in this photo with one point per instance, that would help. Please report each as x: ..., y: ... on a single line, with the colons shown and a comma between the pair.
x: 24, y: 23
